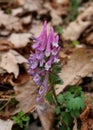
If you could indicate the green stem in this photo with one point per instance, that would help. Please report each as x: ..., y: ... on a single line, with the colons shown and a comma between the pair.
x: 54, y: 94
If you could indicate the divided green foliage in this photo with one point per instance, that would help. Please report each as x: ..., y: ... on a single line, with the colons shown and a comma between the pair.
x: 21, y: 119
x: 55, y: 79
x: 49, y: 97
x: 70, y: 105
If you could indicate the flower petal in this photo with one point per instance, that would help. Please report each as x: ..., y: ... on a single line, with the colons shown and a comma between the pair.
x: 49, y: 42
x: 55, y: 41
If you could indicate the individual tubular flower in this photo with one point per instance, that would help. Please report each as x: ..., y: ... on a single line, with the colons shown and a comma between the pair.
x: 45, y: 54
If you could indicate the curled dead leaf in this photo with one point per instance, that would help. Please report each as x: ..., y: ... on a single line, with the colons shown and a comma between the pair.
x: 21, y: 79
x: 75, y: 124
x: 5, y: 45
x: 87, y: 115
x: 9, y: 61
x: 46, y: 115
x: 79, y: 25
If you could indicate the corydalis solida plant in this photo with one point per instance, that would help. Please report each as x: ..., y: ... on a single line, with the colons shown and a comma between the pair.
x: 43, y: 61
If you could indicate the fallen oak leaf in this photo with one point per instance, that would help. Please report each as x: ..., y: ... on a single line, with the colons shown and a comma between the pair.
x: 10, y: 60
x: 31, y: 5
x: 19, y: 40
x: 10, y: 22
x: 26, y: 95
x: 26, y: 20
x: 79, y: 65
x: 56, y: 19
x: 17, y: 11
x: 79, y: 25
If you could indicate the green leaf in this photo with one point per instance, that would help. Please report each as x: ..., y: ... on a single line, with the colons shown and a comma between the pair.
x: 59, y: 29
x: 68, y: 95
x: 76, y: 103
x: 21, y: 119
x: 63, y: 128
x: 75, y: 43
x: 75, y: 113
x: 55, y: 79
x: 76, y: 91
x: 60, y: 98
x: 56, y: 68
x: 74, y: 9
x: 67, y: 118
x: 57, y: 110
x: 49, y: 97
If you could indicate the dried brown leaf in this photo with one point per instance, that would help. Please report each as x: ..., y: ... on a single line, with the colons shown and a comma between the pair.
x: 26, y: 95
x: 19, y: 40
x: 89, y: 39
x: 21, y: 79
x: 10, y: 22
x: 79, y: 25
x: 62, y: 1
x: 5, y: 45
x: 31, y: 5
x: 79, y: 65
x: 6, y: 125
x: 87, y: 115
x: 84, y: 126
x: 46, y: 115
x: 17, y: 11
x: 9, y: 61
x: 75, y: 124
x: 27, y: 20
x: 56, y: 19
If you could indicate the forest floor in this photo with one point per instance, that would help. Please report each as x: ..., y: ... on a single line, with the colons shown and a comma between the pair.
x: 20, y: 20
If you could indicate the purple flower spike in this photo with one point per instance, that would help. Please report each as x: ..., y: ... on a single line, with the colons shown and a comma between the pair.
x: 45, y: 55
x: 49, y: 42
x: 40, y: 42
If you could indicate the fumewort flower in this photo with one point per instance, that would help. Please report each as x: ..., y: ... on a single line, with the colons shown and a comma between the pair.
x: 44, y: 55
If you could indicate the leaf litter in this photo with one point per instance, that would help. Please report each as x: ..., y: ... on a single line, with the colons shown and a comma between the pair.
x: 22, y: 19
